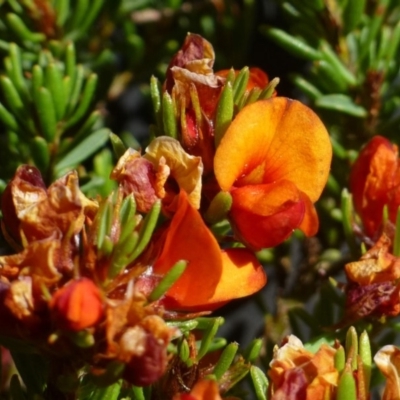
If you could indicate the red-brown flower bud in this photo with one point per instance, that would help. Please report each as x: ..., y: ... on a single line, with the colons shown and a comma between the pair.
x: 149, y: 359
x: 77, y: 305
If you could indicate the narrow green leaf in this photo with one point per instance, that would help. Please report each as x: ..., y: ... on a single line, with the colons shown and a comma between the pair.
x: 70, y: 61
x: 76, y: 84
x: 37, y: 78
x: 269, y: 90
x: 78, y: 16
x: 253, y: 350
x: 8, y: 119
x: 341, y: 103
x: 110, y: 392
x: 260, y: 382
x: 155, y: 93
x: 147, y: 229
x: 85, y: 101
x: 40, y: 153
x: 352, y: 14
x: 347, y: 221
x: 94, y: 9
x: 118, y: 145
x: 46, y: 114
x: 208, y: 336
x: 137, y: 393
x: 340, y: 359
x: 168, y: 280
x: 224, y: 115
x: 122, y: 253
x: 225, y: 360
x: 183, y: 326
x: 352, y: 347
x: 20, y: 29
x: 12, y: 97
x: 83, y: 150
x: 184, y: 350
x: 373, y: 28
x: 306, y: 87
x: 332, y: 58
x: 218, y: 208
x: 364, y: 349
x: 347, y: 389
x: 55, y: 85
x: 291, y: 44
x: 170, y: 126
x: 240, y: 84
x: 62, y: 8
x: 17, y: 73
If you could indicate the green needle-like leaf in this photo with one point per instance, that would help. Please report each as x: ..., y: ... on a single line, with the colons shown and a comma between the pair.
x: 293, y: 45
x: 168, y: 280
x: 83, y: 150
x: 55, y: 85
x: 364, y: 349
x: 8, y: 119
x: 352, y: 347
x: 147, y: 229
x: 170, y: 126
x: 20, y: 29
x: 347, y: 389
x: 85, y: 101
x: 260, y: 382
x: 76, y: 84
x: 40, y: 153
x: 253, y: 350
x: 208, y: 337
x: 225, y: 360
x: 118, y: 145
x: 47, y: 114
x: 224, y: 115
x: 341, y: 103
x: 240, y: 84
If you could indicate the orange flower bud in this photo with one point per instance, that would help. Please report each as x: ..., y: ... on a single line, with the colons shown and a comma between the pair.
x: 374, y: 179
x: 78, y: 305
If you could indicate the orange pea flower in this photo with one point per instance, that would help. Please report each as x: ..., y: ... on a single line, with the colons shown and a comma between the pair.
x: 274, y: 159
x: 78, y: 305
x: 297, y: 373
x: 374, y: 183
x: 212, y: 276
x: 387, y: 359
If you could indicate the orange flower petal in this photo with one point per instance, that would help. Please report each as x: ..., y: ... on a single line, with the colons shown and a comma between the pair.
x: 202, y: 390
x: 242, y: 275
x: 310, y: 223
x: 212, y: 277
x: 265, y: 215
x: 387, y: 360
x: 187, y: 238
x: 283, y: 136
